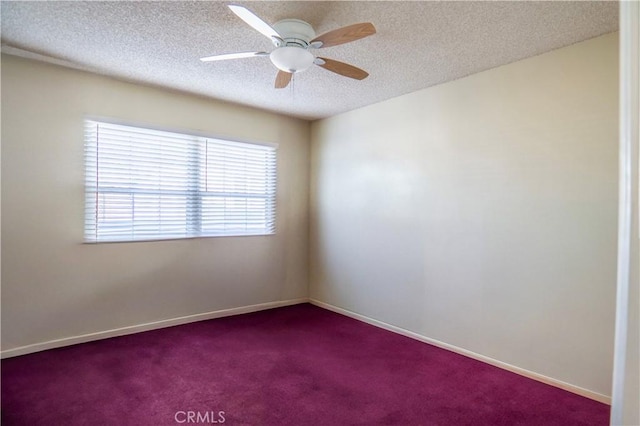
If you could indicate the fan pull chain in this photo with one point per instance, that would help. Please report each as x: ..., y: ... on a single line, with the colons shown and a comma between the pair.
x: 292, y: 85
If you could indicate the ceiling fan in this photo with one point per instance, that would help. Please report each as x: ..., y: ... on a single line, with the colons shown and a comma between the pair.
x: 293, y: 38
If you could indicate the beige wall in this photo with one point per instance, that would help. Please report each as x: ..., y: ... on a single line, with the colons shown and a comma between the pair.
x: 481, y: 212
x: 54, y: 287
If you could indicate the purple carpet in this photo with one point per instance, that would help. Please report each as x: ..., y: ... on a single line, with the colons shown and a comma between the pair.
x: 300, y: 365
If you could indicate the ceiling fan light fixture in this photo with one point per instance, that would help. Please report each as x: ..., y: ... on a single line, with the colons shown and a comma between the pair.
x: 292, y: 59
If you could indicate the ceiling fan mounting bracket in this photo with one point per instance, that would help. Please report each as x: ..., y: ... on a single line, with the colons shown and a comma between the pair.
x: 277, y: 41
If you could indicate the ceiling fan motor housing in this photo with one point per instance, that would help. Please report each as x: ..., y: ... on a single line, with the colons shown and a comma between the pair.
x: 295, y: 32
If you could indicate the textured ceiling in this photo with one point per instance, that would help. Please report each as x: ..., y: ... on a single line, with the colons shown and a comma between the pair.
x: 417, y: 45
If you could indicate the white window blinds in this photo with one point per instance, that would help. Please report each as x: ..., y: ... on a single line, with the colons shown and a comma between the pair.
x: 146, y: 184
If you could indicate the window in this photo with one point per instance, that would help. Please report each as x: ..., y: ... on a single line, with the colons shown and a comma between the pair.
x: 144, y: 184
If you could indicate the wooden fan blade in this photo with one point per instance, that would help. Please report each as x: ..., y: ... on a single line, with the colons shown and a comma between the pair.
x: 283, y: 79
x: 342, y: 68
x: 346, y: 34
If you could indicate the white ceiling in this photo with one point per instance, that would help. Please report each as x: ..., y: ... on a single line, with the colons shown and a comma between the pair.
x: 417, y: 45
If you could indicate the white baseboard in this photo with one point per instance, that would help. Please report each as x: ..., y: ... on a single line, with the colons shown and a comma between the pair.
x: 521, y: 371
x: 51, y: 344
x: 67, y: 341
